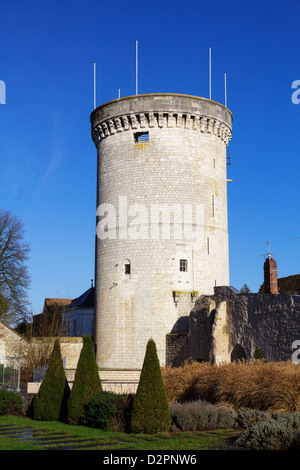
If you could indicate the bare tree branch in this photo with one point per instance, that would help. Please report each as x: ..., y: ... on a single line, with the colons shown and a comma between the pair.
x: 14, y: 277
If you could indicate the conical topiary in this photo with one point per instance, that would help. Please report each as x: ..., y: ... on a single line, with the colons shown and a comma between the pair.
x: 86, y: 383
x: 150, y: 411
x: 50, y: 403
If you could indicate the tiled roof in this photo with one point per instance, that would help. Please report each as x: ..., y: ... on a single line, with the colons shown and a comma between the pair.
x: 50, y: 301
x: 84, y: 300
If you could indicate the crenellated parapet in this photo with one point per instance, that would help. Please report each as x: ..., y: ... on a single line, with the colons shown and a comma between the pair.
x: 206, y: 116
x: 144, y: 121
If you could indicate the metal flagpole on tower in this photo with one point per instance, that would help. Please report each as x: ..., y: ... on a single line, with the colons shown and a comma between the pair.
x: 209, y: 72
x: 136, y: 67
x: 94, y: 85
x: 225, y: 85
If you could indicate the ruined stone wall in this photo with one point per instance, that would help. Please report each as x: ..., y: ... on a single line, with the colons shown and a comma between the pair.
x: 229, y: 325
x: 269, y: 322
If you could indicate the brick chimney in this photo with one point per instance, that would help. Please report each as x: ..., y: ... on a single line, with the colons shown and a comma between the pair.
x: 270, y: 276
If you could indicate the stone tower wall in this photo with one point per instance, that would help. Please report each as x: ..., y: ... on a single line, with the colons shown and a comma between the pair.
x: 182, y: 166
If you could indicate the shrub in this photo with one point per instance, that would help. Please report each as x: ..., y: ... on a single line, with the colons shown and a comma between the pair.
x: 258, y: 354
x: 199, y: 415
x: 86, y: 383
x: 150, y: 410
x: 50, y: 403
x: 108, y: 410
x: 226, y: 418
x: 120, y: 420
x: 99, y: 410
x: 247, y: 416
x: 274, y: 434
x: 11, y: 402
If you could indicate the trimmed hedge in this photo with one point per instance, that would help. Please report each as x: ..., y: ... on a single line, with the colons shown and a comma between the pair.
x: 50, y: 403
x: 150, y: 411
x: 86, y: 384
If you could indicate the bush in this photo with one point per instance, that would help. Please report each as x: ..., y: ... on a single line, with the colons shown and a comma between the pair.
x: 120, y: 420
x: 100, y: 409
x: 274, y: 434
x: 246, y: 417
x: 258, y: 354
x: 108, y: 410
x: 86, y: 384
x: 11, y: 402
x: 50, y: 403
x: 150, y: 410
x: 199, y: 415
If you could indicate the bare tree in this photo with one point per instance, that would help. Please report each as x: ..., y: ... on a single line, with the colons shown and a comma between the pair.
x: 14, y: 277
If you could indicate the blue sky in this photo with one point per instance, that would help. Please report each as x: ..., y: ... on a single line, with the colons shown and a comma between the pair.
x: 48, y: 160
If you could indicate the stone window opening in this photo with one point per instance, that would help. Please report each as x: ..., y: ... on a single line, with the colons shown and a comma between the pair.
x: 140, y: 137
x: 183, y: 266
x: 128, y: 268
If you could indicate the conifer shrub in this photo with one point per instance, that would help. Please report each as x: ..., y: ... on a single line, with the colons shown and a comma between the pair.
x: 86, y: 384
x: 100, y: 409
x: 11, y: 402
x: 50, y: 403
x: 150, y: 411
x: 109, y: 410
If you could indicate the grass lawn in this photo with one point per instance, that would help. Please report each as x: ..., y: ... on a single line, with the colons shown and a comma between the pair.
x: 107, y: 440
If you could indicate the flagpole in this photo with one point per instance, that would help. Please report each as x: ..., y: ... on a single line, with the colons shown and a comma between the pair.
x: 210, y: 73
x: 94, y: 85
x: 136, y: 67
x: 225, y: 84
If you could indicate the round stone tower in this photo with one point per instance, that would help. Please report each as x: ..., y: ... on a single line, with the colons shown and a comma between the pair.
x: 162, y: 235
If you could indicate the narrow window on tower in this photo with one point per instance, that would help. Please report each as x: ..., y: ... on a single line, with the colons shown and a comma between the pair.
x: 127, y: 269
x: 213, y: 204
x: 183, y: 265
x: 207, y: 245
x: 141, y: 137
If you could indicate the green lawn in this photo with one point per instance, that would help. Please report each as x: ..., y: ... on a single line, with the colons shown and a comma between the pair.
x: 107, y: 440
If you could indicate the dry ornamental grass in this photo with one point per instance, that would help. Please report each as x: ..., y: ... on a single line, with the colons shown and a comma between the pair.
x: 273, y: 386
